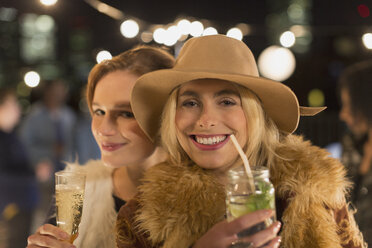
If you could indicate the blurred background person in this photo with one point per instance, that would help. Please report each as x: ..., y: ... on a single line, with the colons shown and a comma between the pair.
x: 47, y: 131
x: 355, y: 87
x: 18, y: 189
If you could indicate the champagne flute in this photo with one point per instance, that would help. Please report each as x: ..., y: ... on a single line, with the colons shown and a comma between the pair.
x: 70, y: 186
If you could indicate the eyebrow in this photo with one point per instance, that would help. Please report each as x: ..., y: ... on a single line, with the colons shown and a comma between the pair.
x: 227, y: 92
x: 219, y: 93
x: 118, y: 105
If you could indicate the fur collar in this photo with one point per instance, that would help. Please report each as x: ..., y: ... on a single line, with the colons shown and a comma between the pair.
x: 99, y: 215
x: 179, y: 204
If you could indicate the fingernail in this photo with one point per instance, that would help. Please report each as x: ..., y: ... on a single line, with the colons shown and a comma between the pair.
x: 277, y: 226
x: 279, y: 239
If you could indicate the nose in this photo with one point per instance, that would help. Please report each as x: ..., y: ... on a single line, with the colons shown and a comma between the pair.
x: 107, y: 127
x: 343, y: 114
x: 207, y: 118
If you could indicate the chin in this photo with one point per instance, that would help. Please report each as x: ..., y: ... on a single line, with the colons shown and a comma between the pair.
x: 112, y: 162
x: 213, y: 164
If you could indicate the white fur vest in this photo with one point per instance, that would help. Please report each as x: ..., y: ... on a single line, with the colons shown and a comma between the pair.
x: 97, y: 227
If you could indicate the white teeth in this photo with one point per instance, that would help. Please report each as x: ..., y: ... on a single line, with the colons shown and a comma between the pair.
x: 210, y: 140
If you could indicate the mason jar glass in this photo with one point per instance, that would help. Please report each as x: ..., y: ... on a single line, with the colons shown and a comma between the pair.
x: 242, y: 197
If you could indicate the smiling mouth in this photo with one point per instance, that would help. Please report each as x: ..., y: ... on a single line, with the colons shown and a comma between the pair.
x: 209, y: 140
x: 110, y: 147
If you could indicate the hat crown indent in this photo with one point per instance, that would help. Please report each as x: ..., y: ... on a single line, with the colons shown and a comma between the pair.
x: 223, y: 55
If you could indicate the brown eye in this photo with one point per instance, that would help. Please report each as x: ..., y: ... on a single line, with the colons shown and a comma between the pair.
x: 227, y: 102
x: 126, y: 114
x: 190, y: 103
x: 99, y: 112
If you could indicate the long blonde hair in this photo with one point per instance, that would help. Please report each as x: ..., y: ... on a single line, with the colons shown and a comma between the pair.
x: 263, y: 135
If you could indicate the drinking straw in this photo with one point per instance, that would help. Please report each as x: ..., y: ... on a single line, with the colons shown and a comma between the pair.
x: 245, y: 161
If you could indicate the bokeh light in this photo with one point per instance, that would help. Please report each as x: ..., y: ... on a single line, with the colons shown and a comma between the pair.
x: 276, y: 63
x: 363, y: 10
x: 245, y: 28
x: 129, y: 28
x: 32, y: 79
x: 44, y: 23
x: 367, y: 40
x: 196, y: 28
x: 48, y: 2
x: 159, y: 35
x: 146, y: 36
x: 316, y: 98
x: 23, y: 90
x: 296, y: 13
x: 210, y: 31
x: 184, y: 26
x: 287, y: 39
x: 235, y: 33
x: 172, y: 35
x: 103, y: 55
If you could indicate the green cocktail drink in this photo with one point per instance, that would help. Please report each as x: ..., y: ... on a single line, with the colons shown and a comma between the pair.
x: 241, y: 199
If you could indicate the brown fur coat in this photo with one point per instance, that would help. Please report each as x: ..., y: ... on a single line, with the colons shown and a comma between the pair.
x: 177, y: 205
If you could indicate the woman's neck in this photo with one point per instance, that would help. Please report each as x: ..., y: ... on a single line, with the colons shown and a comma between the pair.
x: 126, y: 179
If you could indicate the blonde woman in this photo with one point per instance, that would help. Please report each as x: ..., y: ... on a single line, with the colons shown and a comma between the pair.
x: 212, y: 92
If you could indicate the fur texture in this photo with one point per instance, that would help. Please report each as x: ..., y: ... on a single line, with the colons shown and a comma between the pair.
x: 97, y: 227
x: 316, y: 187
x: 179, y: 204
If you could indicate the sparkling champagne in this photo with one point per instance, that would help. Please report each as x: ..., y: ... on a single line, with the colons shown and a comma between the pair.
x: 69, y: 207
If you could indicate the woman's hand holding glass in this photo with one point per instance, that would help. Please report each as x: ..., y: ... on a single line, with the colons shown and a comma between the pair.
x: 49, y: 236
x: 224, y: 234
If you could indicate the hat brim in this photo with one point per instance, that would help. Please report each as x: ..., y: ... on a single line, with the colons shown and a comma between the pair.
x: 152, y: 90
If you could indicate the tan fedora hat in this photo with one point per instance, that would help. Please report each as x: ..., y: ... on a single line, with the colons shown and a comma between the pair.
x: 214, y: 57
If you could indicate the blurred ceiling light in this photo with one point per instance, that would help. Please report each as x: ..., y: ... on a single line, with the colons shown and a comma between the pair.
x: 235, y: 33
x: 276, y: 63
x: 184, y: 26
x: 172, y: 35
x: 367, y: 40
x: 210, y: 31
x: 159, y: 35
x: 196, y: 28
x: 106, y: 9
x: 287, y: 39
x: 129, y: 28
x: 48, y: 2
x: 103, y: 55
x: 316, y: 98
x: 245, y: 28
x: 7, y: 14
x: 38, y: 42
x: 44, y: 23
x: 298, y: 30
x: 32, y: 79
x: 23, y: 90
x: 363, y: 10
x: 296, y: 12
x: 146, y: 36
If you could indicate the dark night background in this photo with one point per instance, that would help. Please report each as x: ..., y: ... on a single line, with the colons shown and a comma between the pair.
x: 336, y: 28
